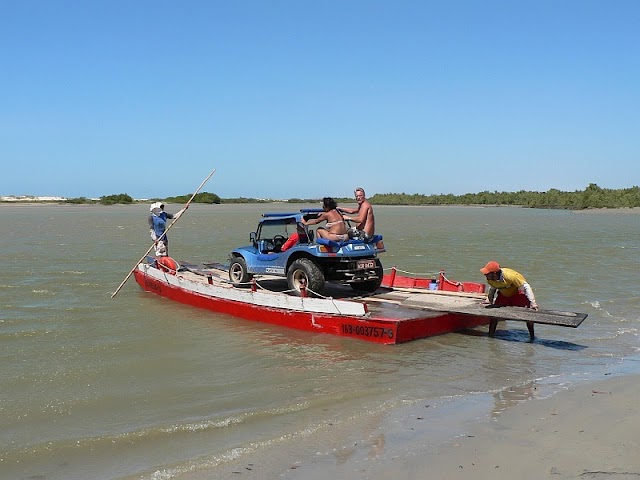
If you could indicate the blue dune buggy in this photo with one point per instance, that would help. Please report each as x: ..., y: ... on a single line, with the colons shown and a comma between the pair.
x: 309, y: 262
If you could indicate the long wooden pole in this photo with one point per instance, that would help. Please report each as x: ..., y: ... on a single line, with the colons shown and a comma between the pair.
x: 163, y: 235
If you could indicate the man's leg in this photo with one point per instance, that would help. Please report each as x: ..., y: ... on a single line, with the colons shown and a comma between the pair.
x: 492, y: 327
x: 530, y: 327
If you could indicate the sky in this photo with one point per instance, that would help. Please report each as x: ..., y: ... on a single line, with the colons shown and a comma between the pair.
x: 305, y: 99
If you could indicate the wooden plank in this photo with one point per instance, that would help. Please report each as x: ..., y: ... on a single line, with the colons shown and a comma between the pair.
x: 548, y: 317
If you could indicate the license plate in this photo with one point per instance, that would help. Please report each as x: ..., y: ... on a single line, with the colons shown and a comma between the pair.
x: 366, y: 264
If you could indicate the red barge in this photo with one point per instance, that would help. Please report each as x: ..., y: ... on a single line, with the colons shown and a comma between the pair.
x: 404, y: 308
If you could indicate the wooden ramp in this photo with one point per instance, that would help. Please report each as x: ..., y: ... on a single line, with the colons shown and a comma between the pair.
x: 548, y: 317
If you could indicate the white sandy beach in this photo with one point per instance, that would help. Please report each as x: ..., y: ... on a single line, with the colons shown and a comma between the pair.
x: 587, y: 432
x: 591, y: 431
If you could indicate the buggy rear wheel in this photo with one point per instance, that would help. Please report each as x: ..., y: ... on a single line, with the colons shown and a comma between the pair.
x: 371, y: 285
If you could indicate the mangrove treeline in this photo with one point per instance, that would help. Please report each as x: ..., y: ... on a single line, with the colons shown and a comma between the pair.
x: 591, y: 197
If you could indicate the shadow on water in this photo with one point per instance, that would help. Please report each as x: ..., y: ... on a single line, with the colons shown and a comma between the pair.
x: 523, y: 337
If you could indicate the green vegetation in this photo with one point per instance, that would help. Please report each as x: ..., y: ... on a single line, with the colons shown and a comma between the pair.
x: 591, y: 197
x: 79, y: 200
x: 245, y: 200
x: 113, y: 199
x: 204, y: 197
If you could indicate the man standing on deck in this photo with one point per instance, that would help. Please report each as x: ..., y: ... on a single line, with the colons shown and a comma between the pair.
x: 158, y: 224
x: 508, y: 289
x: 364, y: 218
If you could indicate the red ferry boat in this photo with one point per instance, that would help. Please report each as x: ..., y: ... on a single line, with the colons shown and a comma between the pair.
x: 404, y: 308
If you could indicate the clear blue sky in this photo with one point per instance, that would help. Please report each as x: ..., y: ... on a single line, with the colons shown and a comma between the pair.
x: 300, y: 98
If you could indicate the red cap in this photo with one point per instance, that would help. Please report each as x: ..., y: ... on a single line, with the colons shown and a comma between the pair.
x: 492, y: 266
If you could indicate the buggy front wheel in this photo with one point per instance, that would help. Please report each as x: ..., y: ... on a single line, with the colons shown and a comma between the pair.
x: 238, y: 273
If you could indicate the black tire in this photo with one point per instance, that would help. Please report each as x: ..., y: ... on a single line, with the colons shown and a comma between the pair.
x: 238, y: 273
x: 370, y: 285
x: 306, y: 270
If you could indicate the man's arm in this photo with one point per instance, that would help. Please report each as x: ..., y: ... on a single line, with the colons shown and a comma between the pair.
x: 361, y: 215
x: 491, y: 296
x: 349, y: 210
x: 152, y: 231
x: 526, y: 288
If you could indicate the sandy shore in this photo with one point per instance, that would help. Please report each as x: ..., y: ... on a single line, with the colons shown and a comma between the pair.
x: 591, y: 431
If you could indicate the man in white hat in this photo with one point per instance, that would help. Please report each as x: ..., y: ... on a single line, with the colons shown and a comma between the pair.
x: 158, y: 225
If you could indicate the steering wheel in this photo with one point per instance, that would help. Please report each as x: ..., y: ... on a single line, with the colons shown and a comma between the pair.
x: 278, y: 241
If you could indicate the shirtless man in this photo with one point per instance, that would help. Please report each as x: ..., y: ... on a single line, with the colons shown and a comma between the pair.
x: 335, y: 228
x: 363, y: 215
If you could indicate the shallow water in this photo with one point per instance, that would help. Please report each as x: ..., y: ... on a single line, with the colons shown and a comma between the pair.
x: 140, y: 387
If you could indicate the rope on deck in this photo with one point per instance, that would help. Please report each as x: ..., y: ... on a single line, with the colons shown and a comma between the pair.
x: 457, y: 284
x: 324, y: 298
x: 413, y: 273
x: 316, y: 294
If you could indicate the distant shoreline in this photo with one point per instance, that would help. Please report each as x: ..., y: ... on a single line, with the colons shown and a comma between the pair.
x: 592, y: 198
x: 47, y: 203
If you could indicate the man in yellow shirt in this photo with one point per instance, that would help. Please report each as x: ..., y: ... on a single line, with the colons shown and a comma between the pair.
x: 508, y: 289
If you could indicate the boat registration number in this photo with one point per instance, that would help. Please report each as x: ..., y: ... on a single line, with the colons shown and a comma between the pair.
x: 376, y: 332
x: 366, y: 264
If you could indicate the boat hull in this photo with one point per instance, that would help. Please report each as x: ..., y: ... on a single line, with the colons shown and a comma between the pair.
x: 352, y: 319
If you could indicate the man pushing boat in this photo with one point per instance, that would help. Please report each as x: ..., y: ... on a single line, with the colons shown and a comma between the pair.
x: 508, y: 289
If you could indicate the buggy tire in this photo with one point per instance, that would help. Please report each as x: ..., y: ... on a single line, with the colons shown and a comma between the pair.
x: 305, y: 270
x: 238, y: 274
